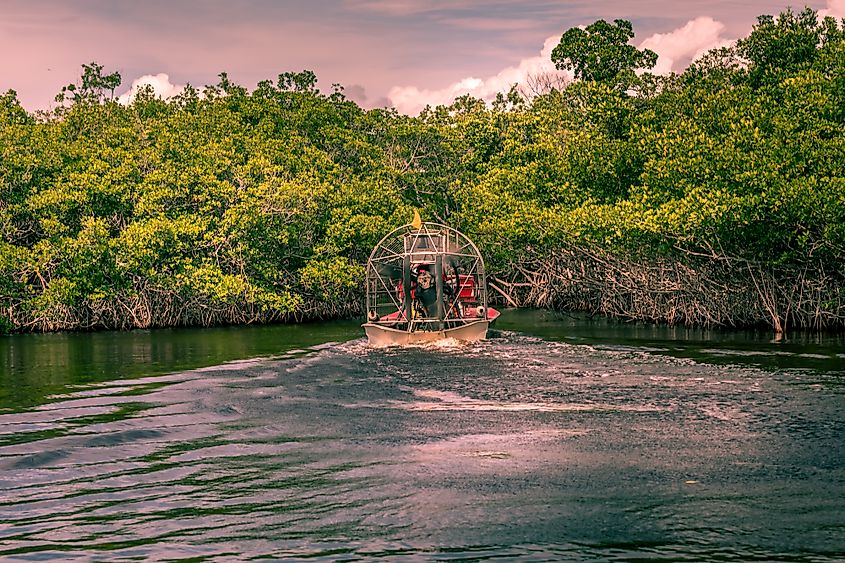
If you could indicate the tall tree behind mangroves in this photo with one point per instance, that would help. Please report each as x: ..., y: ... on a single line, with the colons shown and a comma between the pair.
x: 713, y: 197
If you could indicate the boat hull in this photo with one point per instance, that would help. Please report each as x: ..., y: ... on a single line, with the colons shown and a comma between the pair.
x: 380, y: 335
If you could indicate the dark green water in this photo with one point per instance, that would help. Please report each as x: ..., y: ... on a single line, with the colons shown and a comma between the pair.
x: 557, y: 439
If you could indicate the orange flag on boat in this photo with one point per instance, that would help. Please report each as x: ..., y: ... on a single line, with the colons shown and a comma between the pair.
x: 417, y: 222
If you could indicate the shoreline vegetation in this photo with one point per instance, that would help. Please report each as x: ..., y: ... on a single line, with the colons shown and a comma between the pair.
x: 714, y: 197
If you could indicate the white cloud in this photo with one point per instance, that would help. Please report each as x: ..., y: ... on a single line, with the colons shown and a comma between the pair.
x: 411, y: 100
x: 160, y: 83
x: 678, y: 48
x: 835, y: 9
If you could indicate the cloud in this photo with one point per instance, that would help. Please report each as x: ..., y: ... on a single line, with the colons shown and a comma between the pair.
x: 411, y: 99
x: 676, y: 49
x: 402, y: 8
x: 390, y: 7
x: 356, y: 93
x: 491, y: 24
x: 160, y: 83
x: 835, y: 9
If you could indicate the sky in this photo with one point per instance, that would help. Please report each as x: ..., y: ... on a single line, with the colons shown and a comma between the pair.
x: 385, y: 53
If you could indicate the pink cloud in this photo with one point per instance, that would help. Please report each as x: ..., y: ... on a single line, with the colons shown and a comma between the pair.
x: 679, y: 47
x: 411, y: 99
x: 492, y: 24
x: 389, y: 7
x: 834, y: 9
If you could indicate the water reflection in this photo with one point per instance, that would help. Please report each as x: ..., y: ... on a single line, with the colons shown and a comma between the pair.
x: 761, y: 347
x: 34, y: 366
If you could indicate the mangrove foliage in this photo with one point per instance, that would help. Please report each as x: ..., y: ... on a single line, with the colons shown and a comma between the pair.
x: 711, y: 197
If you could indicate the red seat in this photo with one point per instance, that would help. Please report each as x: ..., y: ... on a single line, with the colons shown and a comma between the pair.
x: 466, y: 289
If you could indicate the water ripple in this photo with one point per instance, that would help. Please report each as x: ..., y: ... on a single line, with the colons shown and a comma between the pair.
x: 515, y: 448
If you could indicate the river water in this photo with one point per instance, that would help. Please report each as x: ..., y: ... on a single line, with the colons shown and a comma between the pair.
x: 559, y: 438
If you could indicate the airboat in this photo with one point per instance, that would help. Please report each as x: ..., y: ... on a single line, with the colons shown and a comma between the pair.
x: 425, y: 283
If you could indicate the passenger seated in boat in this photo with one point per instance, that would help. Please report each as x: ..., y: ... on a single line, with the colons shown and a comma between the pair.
x: 426, y: 292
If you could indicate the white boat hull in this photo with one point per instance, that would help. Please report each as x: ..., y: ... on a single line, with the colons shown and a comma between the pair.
x: 380, y: 335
